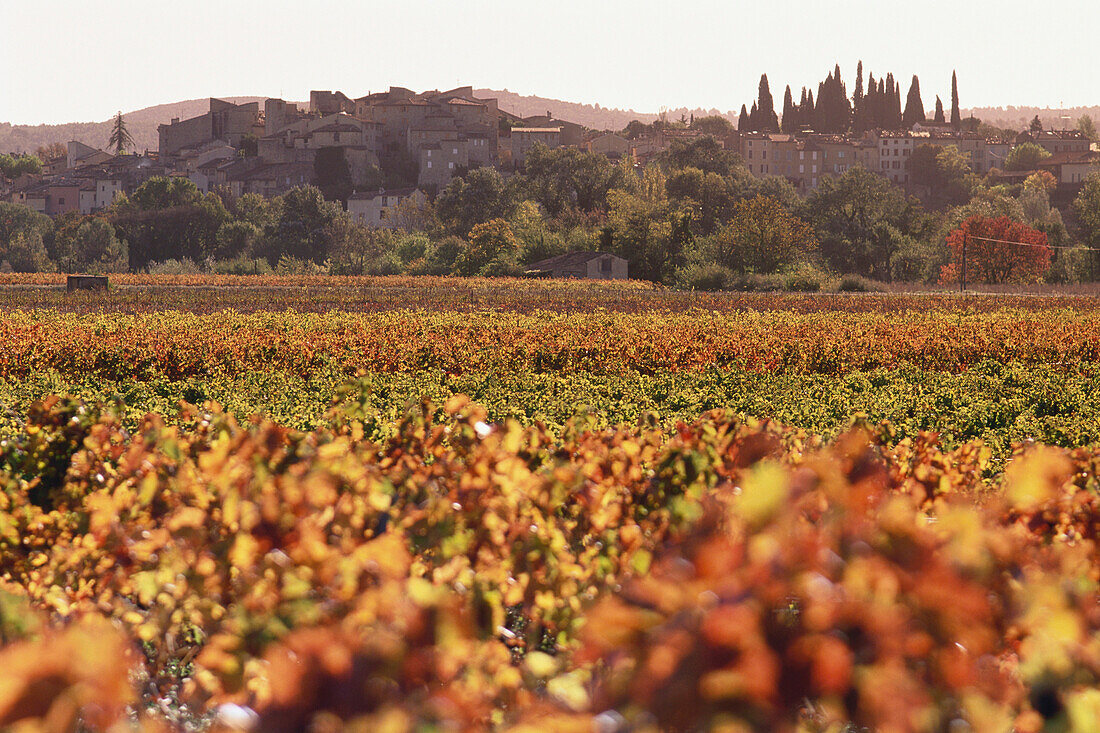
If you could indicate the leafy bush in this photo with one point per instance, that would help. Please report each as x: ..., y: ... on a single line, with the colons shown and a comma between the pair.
x: 804, y: 278
x: 757, y: 283
x: 185, y: 266
x: 706, y: 277
x: 241, y: 266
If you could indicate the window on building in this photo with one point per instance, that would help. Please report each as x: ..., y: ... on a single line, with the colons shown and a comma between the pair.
x: 451, y: 164
x: 765, y: 156
x: 605, y: 265
x: 801, y: 169
x: 335, y: 137
x: 801, y: 154
x: 429, y: 164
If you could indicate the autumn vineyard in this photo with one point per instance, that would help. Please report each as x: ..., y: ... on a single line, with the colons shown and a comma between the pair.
x: 428, y: 504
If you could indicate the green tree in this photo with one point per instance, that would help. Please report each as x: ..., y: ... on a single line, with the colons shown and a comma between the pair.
x: 25, y: 251
x: 120, y: 138
x: 333, y: 175
x: 236, y: 238
x: 956, y: 114
x: 708, y: 195
x: 1086, y: 207
x: 768, y: 120
x: 713, y: 125
x: 639, y: 229
x: 14, y: 166
x: 163, y: 192
x: 914, y: 107
x: 479, y: 196
x: 492, y: 244
x: 91, y: 245
x: 1025, y: 157
x: 567, y: 178
x: 1087, y: 128
x: 301, y: 231
x: 862, y: 222
x: 945, y: 171
x: 762, y: 236
x: 354, y: 248
x: 704, y: 153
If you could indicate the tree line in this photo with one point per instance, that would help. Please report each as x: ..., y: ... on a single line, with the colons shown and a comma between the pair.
x: 693, y: 218
x: 877, y: 105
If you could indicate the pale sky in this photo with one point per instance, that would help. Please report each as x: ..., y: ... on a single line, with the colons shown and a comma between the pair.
x: 70, y: 61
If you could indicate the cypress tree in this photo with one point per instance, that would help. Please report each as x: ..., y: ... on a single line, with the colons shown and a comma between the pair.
x: 769, y: 120
x: 870, y: 104
x: 956, y: 115
x: 939, y: 119
x: 893, y: 116
x: 811, y: 109
x: 743, y: 120
x: 789, y: 122
x: 914, y: 108
x: 857, y: 101
x: 754, y: 118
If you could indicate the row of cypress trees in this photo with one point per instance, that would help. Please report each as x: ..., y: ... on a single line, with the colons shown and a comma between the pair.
x: 876, y: 106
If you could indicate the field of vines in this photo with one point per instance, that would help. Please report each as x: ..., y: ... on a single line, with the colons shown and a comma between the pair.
x: 403, y: 504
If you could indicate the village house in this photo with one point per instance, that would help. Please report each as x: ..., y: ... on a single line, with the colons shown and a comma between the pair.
x: 612, y: 145
x: 442, y: 161
x: 225, y: 121
x: 523, y: 139
x: 381, y: 208
x: 1071, y: 168
x: 589, y: 265
x: 271, y: 180
x: 572, y: 134
x: 1056, y: 141
x: 78, y: 154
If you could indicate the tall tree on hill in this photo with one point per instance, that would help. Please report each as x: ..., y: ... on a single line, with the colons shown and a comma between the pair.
x: 888, y: 101
x: 869, y: 117
x: 939, y: 118
x: 790, y: 122
x: 896, y: 116
x: 956, y: 115
x: 914, y: 107
x: 754, y: 119
x: 858, y: 112
x: 120, y: 138
x: 743, y: 120
x: 811, y: 109
x: 765, y: 106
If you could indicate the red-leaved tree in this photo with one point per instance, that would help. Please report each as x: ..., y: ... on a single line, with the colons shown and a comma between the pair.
x: 1017, y: 253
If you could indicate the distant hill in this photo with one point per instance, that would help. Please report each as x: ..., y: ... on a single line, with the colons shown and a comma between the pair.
x: 1018, y: 118
x: 141, y: 123
x: 590, y: 115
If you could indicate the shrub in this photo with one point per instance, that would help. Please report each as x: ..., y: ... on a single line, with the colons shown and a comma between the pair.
x: 184, y: 266
x: 804, y: 278
x: 706, y: 277
x: 759, y: 283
